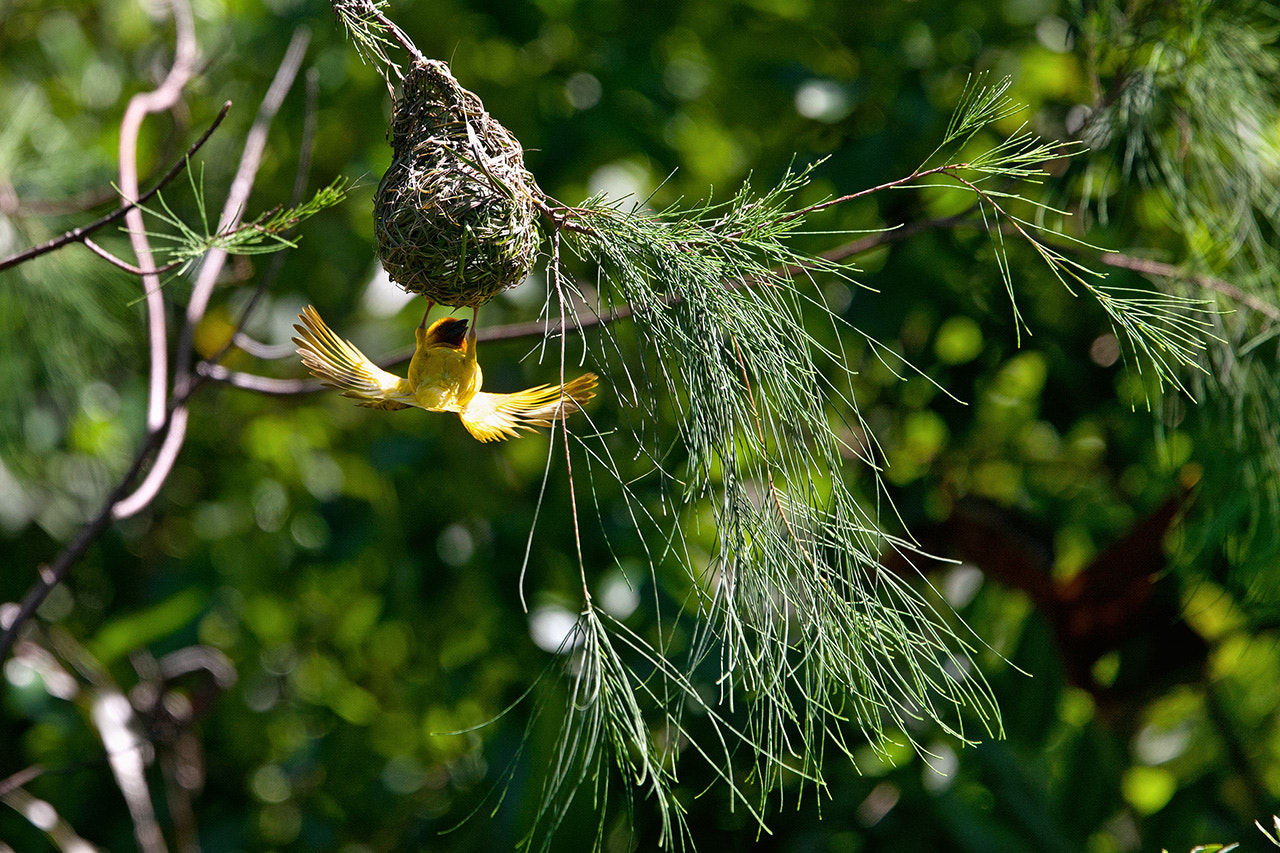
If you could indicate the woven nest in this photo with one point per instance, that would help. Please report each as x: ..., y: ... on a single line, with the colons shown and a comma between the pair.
x: 454, y: 213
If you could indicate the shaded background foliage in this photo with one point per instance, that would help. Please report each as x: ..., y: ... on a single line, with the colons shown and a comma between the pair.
x: 362, y: 571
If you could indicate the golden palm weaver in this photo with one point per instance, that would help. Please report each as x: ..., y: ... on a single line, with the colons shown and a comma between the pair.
x: 443, y: 377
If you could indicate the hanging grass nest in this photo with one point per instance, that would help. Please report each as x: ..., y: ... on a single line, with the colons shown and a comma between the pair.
x: 454, y: 213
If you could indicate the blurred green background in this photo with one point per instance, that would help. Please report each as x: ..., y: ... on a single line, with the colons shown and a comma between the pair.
x: 362, y: 571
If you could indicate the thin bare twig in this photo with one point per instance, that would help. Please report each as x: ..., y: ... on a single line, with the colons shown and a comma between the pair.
x: 238, y: 197
x: 140, y: 106
x: 79, y: 235
x: 232, y: 211
x: 127, y: 755
x: 22, y: 777
x: 257, y: 349
x: 259, y: 384
x: 123, y: 264
x: 1208, y: 282
x: 268, y: 279
x: 167, y: 440
x: 60, y: 832
x: 175, y: 435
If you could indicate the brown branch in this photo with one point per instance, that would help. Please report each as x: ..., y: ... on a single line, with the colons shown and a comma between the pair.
x: 79, y: 235
x: 167, y: 439
x: 125, y: 265
x: 55, y: 572
x: 54, y: 825
x: 1208, y: 282
x: 259, y: 384
x: 202, y: 290
x: 22, y: 777
x: 257, y: 349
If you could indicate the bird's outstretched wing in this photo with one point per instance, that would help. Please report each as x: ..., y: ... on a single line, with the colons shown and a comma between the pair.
x: 492, y: 417
x: 340, y: 364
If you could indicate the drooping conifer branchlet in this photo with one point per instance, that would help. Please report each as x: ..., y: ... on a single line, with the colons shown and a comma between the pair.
x: 795, y: 628
x: 1183, y: 129
x: 1163, y: 332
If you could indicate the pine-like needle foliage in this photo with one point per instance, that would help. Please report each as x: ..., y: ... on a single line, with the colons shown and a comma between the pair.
x: 1184, y: 128
x: 796, y: 622
x: 806, y: 637
x: 1163, y: 331
x: 797, y: 629
x: 265, y: 234
x: 1193, y: 94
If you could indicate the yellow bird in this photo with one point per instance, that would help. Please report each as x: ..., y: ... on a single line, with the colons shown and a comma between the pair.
x: 443, y: 377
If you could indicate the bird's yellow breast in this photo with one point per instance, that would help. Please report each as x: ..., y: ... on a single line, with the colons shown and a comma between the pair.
x: 443, y: 379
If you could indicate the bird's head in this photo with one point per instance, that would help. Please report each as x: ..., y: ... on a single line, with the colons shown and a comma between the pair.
x: 448, y: 332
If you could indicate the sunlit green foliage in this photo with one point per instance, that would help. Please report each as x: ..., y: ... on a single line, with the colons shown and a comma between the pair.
x: 265, y: 234
x: 363, y: 572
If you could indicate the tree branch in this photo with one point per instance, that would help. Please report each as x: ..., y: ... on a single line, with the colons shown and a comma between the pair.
x: 169, y: 437
x: 60, y: 832
x: 123, y: 264
x: 140, y: 106
x: 257, y: 349
x: 22, y: 777
x: 260, y: 384
x: 232, y: 211
x: 1208, y: 282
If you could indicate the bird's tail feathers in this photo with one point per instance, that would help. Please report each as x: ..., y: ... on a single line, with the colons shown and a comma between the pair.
x: 492, y: 417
